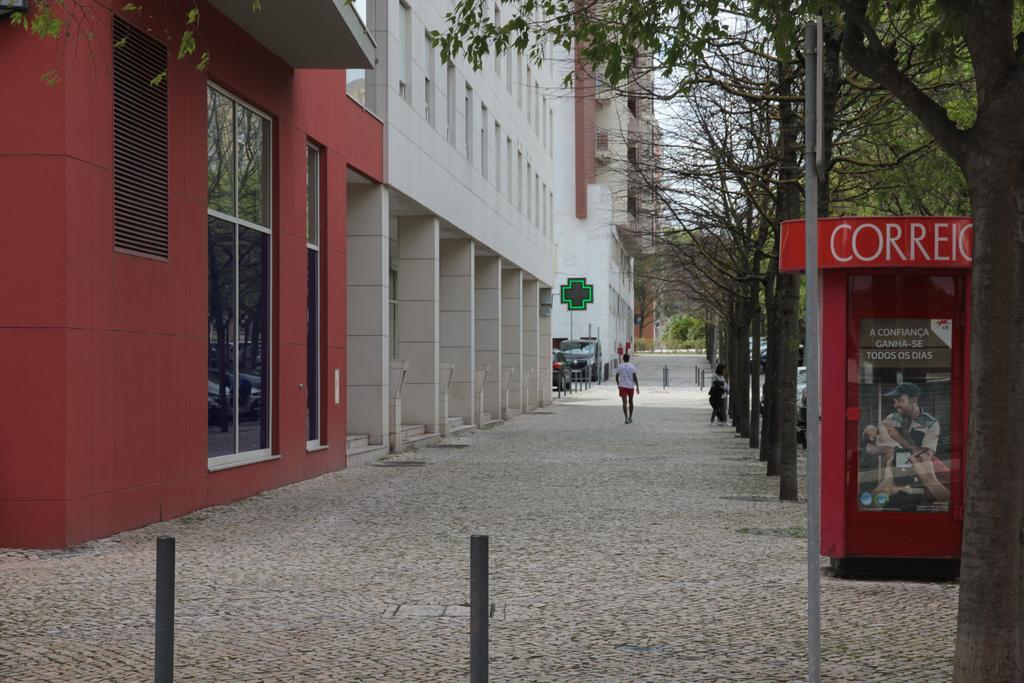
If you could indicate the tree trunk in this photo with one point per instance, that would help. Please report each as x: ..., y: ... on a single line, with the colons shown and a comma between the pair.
x: 768, y: 435
x: 754, y: 305
x: 788, y: 301
x: 990, y: 635
x: 789, y: 330
x: 740, y: 384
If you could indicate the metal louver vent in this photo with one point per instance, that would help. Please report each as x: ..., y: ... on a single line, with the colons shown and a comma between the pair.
x: 140, y: 143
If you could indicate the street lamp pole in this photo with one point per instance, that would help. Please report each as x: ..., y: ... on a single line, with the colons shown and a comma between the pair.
x: 813, y: 136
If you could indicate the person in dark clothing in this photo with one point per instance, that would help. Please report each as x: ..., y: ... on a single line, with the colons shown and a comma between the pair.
x: 717, y: 393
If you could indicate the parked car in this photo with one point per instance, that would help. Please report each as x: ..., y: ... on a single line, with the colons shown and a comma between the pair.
x: 583, y: 354
x: 801, y: 405
x: 764, y: 354
x: 560, y: 370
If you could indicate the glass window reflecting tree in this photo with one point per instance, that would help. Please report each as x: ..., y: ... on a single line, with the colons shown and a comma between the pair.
x: 238, y: 269
x: 313, y: 277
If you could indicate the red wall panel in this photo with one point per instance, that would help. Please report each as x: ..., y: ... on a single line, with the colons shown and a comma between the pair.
x: 32, y: 431
x: 32, y: 260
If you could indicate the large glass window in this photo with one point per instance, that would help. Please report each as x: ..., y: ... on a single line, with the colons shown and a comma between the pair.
x: 313, y: 260
x: 238, y: 268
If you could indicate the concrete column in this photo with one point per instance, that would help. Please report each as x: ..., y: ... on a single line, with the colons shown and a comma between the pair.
x: 458, y: 323
x: 544, y: 343
x: 418, y: 317
x: 367, y: 294
x: 487, y: 294
x: 531, y: 383
x: 512, y: 336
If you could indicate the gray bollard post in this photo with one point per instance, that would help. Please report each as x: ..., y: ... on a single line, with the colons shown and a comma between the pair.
x: 479, y: 609
x: 164, y: 655
x: 664, y: 377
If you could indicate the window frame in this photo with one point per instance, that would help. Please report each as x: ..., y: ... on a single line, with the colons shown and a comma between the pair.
x: 405, y: 45
x: 483, y: 140
x: 470, y: 132
x: 239, y: 458
x: 319, y: 442
x: 429, y: 68
x: 452, y: 105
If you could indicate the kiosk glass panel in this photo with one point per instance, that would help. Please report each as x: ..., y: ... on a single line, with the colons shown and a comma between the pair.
x: 906, y: 399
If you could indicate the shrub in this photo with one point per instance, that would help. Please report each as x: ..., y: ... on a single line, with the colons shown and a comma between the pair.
x: 684, y: 332
x: 641, y: 344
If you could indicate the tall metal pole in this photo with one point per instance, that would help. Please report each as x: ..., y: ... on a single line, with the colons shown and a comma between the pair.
x: 163, y: 661
x: 812, y: 65
x: 479, y: 609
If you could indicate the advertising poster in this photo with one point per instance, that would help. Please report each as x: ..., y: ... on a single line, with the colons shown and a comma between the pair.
x: 905, y: 373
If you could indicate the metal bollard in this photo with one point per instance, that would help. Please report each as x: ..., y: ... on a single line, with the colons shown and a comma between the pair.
x: 664, y: 377
x: 478, y: 609
x: 164, y: 655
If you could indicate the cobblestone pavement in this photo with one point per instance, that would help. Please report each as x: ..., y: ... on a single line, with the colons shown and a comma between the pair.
x: 654, y: 551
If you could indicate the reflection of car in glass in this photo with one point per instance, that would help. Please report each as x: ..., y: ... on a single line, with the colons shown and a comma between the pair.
x: 250, y: 396
x: 801, y: 406
x: 560, y: 369
x: 582, y: 354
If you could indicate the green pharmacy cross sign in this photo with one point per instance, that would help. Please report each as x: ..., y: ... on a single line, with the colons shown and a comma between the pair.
x: 576, y: 293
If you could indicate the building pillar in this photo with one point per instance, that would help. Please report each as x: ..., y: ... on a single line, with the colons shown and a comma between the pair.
x: 367, y: 300
x: 487, y: 312
x: 512, y: 338
x: 418, y: 318
x: 544, y: 344
x: 458, y: 323
x: 531, y: 381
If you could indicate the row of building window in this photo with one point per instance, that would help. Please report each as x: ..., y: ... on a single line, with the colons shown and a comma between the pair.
x: 539, y: 115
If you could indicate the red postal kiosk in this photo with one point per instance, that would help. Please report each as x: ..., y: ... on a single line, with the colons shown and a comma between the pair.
x: 894, y: 388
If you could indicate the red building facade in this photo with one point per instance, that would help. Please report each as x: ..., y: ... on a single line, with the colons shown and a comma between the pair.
x: 114, y: 318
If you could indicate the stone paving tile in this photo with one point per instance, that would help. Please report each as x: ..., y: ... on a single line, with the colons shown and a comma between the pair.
x: 618, y: 553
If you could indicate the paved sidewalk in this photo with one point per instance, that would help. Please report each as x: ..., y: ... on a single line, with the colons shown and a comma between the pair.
x: 654, y: 551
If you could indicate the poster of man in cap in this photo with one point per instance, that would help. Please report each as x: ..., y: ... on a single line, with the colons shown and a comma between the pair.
x: 905, y: 401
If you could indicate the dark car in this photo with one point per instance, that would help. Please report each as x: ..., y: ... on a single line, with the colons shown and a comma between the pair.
x: 560, y: 370
x: 582, y: 355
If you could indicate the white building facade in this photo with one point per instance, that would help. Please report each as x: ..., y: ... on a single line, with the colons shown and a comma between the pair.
x: 597, y: 210
x: 451, y: 260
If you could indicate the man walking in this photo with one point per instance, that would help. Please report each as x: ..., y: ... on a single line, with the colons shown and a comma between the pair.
x: 627, y: 380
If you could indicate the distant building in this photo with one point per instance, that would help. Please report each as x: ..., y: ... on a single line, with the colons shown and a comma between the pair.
x: 451, y: 261
x: 606, y: 144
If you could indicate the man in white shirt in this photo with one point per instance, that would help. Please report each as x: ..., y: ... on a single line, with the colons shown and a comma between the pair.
x: 626, y: 378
